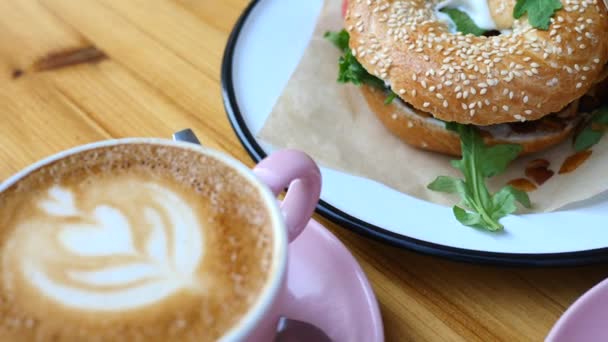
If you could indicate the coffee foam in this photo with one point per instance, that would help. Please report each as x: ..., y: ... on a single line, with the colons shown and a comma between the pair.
x: 131, y: 242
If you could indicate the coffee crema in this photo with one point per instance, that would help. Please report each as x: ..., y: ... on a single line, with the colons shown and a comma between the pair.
x: 131, y: 242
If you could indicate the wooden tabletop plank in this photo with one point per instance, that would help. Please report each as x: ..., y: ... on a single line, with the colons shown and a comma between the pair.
x: 109, y: 94
x: 177, y: 29
x: 220, y: 14
x: 22, y: 43
x: 145, y: 57
x: 29, y: 32
x: 37, y: 122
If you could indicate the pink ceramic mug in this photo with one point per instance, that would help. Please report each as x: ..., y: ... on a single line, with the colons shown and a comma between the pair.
x: 287, y: 168
x: 278, y: 171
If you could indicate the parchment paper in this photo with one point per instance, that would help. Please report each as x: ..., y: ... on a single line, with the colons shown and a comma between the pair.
x: 333, y: 124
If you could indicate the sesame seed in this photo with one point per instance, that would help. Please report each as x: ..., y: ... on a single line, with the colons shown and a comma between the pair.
x: 472, y: 65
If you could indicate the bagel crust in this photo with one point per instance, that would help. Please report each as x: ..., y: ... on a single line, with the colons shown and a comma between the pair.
x: 422, y: 131
x: 517, y: 76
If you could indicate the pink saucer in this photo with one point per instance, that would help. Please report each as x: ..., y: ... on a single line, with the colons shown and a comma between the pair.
x: 586, y: 320
x: 328, y: 288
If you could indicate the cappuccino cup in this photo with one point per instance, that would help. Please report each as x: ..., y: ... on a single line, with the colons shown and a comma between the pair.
x: 149, y: 240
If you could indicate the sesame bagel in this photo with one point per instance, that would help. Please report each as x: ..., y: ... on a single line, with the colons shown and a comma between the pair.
x: 421, y: 130
x: 524, y: 74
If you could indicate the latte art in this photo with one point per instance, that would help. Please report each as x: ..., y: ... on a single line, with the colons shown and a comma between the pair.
x: 133, y: 242
x: 103, y: 259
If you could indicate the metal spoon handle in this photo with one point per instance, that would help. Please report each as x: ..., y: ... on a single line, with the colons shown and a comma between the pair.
x: 186, y: 135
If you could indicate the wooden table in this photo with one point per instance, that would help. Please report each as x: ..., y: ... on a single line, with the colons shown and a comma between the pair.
x: 153, y: 68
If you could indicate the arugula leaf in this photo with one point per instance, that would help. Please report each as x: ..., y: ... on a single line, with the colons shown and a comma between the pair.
x: 351, y: 71
x: 600, y: 115
x: 390, y: 98
x: 478, y: 163
x: 539, y: 11
x: 463, y: 22
x: 504, y: 201
x: 448, y: 185
x: 592, y: 134
x: 339, y: 39
x: 468, y: 219
x: 587, y: 138
x: 496, y: 158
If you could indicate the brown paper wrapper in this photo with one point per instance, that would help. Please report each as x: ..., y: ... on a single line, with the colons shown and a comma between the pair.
x: 332, y: 123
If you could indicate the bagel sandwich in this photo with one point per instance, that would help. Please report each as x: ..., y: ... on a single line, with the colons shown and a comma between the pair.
x: 514, y: 72
x: 487, y: 80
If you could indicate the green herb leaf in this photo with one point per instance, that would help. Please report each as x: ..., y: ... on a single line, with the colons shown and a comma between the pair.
x: 590, y: 136
x: 520, y: 196
x: 601, y: 115
x: 469, y: 219
x: 463, y: 22
x: 587, y: 138
x: 497, y: 158
x: 453, y: 126
x: 390, y: 98
x: 339, y: 39
x: 448, y: 185
x: 478, y: 163
x: 351, y: 71
x: 539, y: 11
x: 504, y: 201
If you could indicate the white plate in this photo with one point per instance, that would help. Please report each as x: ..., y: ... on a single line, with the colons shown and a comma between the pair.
x: 265, y: 48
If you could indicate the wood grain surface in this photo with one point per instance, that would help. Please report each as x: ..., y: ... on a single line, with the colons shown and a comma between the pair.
x: 152, y: 67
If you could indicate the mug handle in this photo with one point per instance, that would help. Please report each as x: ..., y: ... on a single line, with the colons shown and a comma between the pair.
x: 296, y: 170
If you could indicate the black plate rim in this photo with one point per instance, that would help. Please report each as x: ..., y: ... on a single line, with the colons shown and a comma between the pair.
x: 345, y: 220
